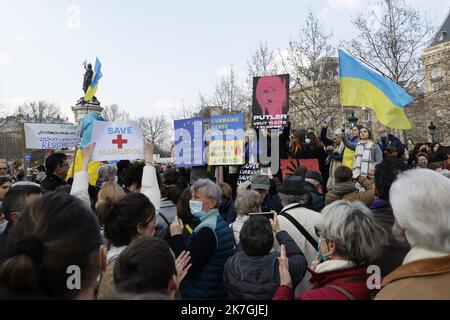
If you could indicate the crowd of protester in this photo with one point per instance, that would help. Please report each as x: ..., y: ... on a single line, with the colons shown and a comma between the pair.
x: 147, y: 231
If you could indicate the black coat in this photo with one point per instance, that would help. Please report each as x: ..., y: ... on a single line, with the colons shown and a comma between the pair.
x: 394, y: 251
x: 51, y: 182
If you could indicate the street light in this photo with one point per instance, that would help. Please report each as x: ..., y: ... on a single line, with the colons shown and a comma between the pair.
x: 432, y: 130
x: 352, y: 120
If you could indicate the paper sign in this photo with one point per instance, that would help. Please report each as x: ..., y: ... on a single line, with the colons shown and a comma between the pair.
x: 247, y: 171
x: 51, y: 136
x: 117, y: 141
x: 226, y: 146
x: 288, y: 166
x: 188, y: 149
x: 270, y: 101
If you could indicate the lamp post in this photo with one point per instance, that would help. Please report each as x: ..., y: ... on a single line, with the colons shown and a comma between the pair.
x: 432, y: 130
x: 352, y: 120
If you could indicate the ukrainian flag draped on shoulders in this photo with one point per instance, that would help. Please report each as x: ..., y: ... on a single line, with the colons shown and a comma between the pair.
x: 362, y: 87
x: 94, y: 83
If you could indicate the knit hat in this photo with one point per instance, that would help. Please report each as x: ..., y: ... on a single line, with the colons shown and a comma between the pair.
x: 260, y: 182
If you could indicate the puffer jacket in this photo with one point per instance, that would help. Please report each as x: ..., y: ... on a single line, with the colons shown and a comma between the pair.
x: 257, y: 278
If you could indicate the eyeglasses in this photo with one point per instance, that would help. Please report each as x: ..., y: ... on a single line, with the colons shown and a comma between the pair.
x: 3, y: 169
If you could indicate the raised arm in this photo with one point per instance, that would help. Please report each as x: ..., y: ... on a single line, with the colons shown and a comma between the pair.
x: 80, y: 185
x: 149, y: 181
x: 348, y: 143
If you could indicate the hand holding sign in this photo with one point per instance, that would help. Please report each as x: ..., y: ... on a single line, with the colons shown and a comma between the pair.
x: 117, y: 141
x: 87, y: 155
x: 148, y: 151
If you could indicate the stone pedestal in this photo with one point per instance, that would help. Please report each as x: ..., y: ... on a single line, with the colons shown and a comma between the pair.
x: 82, y: 108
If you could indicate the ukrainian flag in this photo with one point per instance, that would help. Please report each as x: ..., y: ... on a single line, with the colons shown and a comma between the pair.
x: 362, y: 87
x: 94, y: 83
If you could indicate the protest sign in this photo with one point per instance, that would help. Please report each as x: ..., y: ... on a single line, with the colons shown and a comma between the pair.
x: 226, y: 146
x: 270, y: 101
x: 117, y: 141
x: 247, y: 171
x: 288, y: 166
x: 47, y: 136
x: 188, y: 150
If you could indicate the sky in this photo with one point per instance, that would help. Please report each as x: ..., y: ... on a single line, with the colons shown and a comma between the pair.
x: 154, y: 54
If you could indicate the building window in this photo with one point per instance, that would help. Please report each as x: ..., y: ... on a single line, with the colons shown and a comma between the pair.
x: 366, y: 116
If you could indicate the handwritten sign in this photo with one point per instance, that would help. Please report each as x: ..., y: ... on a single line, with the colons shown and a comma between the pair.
x: 46, y: 136
x: 247, y: 171
x: 117, y: 141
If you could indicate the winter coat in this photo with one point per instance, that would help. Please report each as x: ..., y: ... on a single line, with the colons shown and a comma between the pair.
x: 51, y: 182
x: 394, y: 251
x: 257, y: 278
x: 341, y: 192
x: 351, y: 279
x: 317, y: 199
x: 166, y: 215
x: 236, y: 227
x: 424, y: 275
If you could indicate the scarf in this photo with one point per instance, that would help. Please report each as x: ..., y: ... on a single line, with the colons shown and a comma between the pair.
x: 342, y: 188
x: 363, y: 158
x: 380, y: 203
x: 208, y: 220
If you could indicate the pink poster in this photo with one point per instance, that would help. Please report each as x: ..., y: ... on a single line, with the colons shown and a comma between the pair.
x: 270, y: 101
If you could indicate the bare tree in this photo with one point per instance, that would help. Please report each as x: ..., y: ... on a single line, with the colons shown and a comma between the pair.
x: 39, y: 111
x: 155, y: 129
x: 114, y: 114
x: 390, y: 41
x: 185, y: 110
x: 311, y: 62
x: 229, y: 94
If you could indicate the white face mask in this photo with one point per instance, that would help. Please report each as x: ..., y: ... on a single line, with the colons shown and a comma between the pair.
x: 307, y: 141
x: 3, y: 226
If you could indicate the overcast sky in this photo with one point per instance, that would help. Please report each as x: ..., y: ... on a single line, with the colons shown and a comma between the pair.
x: 154, y: 53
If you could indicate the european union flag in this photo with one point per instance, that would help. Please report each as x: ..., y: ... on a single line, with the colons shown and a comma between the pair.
x: 189, y: 142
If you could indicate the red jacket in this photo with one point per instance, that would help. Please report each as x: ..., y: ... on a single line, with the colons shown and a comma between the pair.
x: 352, y: 280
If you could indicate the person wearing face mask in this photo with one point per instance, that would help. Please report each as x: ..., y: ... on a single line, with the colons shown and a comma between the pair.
x: 367, y: 153
x: 421, y: 160
x: 349, y: 241
x: 387, y: 140
x: 210, y: 244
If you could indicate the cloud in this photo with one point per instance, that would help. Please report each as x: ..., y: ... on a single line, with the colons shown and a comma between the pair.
x: 332, y: 5
x: 5, y: 58
x: 19, y: 38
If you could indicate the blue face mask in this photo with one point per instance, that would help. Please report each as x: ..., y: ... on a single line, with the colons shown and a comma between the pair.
x: 196, y: 207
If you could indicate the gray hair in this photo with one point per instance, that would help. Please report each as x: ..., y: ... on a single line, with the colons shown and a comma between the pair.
x: 303, y: 199
x: 420, y: 200
x: 247, y: 201
x: 105, y: 171
x: 207, y: 188
x: 350, y: 226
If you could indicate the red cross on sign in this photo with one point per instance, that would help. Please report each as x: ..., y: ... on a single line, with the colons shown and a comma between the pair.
x: 119, y: 141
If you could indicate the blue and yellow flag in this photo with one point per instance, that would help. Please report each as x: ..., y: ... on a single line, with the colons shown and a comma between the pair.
x: 94, y: 83
x: 362, y: 87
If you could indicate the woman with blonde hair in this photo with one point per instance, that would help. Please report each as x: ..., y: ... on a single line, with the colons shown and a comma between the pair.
x: 110, y: 191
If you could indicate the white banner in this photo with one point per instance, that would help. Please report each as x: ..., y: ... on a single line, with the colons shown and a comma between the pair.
x: 51, y: 136
x: 117, y: 141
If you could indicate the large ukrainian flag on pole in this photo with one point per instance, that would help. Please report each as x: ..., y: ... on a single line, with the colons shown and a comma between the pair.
x: 362, y: 87
x: 94, y: 83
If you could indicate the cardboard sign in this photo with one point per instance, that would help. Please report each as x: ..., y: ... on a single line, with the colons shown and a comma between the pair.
x: 270, y: 101
x: 117, y: 141
x: 226, y: 146
x: 47, y: 136
x: 247, y: 171
x: 288, y: 166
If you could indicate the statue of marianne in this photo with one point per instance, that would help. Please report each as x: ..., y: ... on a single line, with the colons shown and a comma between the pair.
x: 87, y: 76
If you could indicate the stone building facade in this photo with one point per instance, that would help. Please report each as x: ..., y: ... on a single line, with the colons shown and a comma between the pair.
x: 431, y: 102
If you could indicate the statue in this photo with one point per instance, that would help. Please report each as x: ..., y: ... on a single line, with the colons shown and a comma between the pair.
x: 87, y: 79
x: 87, y: 76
